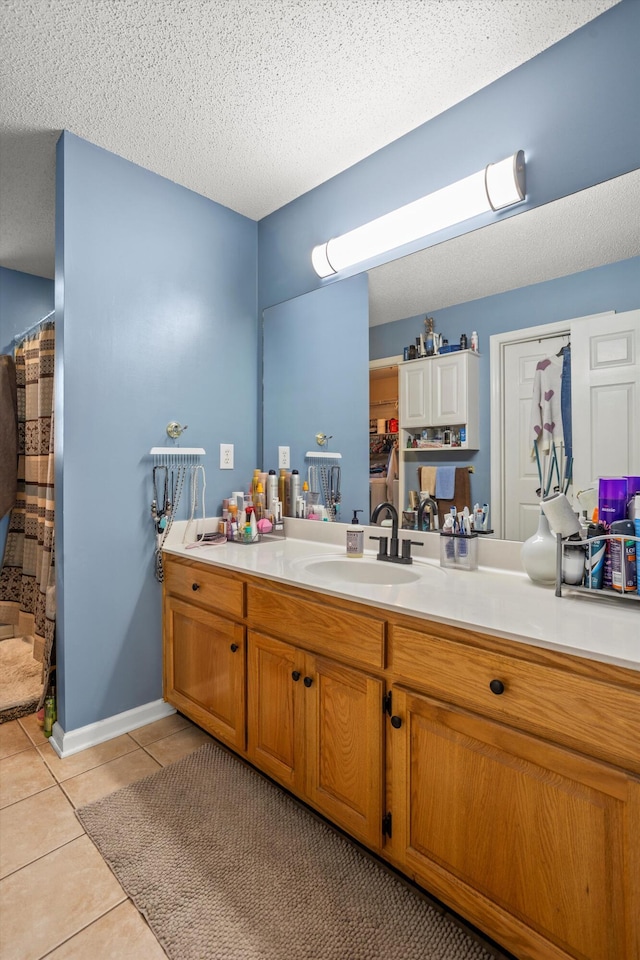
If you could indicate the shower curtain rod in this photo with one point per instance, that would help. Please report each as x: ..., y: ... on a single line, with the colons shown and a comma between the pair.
x: 19, y: 337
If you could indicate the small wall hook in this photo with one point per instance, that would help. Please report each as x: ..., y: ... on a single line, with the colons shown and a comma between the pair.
x: 175, y: 430
x: 322, y: 438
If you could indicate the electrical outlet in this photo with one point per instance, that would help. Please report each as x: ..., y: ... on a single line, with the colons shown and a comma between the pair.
x: 226, y: 456
x: 284, y: 458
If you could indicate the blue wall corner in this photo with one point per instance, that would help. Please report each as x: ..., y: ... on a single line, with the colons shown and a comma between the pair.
x: 156, y: 288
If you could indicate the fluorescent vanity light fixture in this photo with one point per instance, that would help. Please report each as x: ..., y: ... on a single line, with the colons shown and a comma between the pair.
x: 499, y: 185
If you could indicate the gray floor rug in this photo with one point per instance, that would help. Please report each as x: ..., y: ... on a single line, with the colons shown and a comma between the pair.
x: 224, y: 866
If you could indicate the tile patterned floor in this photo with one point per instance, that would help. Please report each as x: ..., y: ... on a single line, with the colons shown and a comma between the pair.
x: 58, y: 898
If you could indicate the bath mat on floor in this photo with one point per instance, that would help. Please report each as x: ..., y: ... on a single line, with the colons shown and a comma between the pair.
x: 224, y: 866
x: 20, y: 679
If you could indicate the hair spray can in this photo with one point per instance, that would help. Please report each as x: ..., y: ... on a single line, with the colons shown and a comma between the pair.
x: 594, y: 557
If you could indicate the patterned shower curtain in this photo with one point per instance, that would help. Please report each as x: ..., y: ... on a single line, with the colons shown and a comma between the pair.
x: 27, y: 578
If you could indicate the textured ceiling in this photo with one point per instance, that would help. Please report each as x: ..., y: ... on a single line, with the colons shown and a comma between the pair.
x: 588, y: 229
x: 248, y: 102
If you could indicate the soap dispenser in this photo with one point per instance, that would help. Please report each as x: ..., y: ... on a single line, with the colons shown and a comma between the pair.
x: 355, y: 537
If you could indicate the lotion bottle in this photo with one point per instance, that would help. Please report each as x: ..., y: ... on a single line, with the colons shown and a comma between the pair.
x: 355, y: 537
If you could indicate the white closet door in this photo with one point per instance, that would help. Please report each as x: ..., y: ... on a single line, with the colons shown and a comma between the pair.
x: 605, y: 397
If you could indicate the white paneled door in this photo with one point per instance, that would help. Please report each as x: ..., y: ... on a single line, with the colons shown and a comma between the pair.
x: 605, y: 397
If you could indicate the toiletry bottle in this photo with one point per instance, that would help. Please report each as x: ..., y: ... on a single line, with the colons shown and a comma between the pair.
x: 636, y: 523
x: 271, y: 492
x: 355, y: 537
x: 282, y: 487
x: 258, y: 502
x: 429, y: 344
x: 305, y: 499
x: 463, y: 341
x: 254, y: 484
x: 623, y: 557
x: 594, y: 557
x: 474, y: 341
x: 294, y: 492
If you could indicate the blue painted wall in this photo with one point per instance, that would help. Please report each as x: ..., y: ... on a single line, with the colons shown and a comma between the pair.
x: 156, y: 299
x: 615, y: 286
x: 24, y: 300
x: 328, y: 390
x: 574, y: 110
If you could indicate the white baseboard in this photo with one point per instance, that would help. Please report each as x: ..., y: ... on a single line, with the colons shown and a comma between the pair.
x: 73, y: 741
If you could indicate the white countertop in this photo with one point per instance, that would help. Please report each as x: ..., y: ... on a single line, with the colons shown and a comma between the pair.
x: 497, y: 601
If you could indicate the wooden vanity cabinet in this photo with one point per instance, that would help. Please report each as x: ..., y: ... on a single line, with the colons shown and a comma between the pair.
x: 316, y: 726
x: 204, y: 653
x: 507, y: 775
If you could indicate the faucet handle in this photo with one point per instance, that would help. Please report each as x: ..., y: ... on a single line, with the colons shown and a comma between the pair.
x: 406, y: 547
x: 382, y: 549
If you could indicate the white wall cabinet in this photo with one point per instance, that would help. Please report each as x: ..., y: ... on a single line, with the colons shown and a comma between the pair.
x: 415, y: 394
x: 442, y: 391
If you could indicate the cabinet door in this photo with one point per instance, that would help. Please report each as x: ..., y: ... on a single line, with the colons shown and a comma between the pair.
x: 449, y: 390
x: 275, y: 728
x: 536, y: 844
x: 205, y: 669
x: 415, y: 394
x: 344, y: 747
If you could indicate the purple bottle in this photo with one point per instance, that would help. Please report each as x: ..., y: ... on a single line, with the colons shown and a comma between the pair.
x: 633, y: 487
x: 612, y: 506
x: 612, y: 499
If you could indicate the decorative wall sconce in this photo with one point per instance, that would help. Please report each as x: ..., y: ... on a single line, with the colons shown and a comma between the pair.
x: 499, y: 185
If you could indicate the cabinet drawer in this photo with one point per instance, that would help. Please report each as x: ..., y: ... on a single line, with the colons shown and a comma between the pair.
x: 585, y: 713
x: 200, y: 584
x: 317, y: 627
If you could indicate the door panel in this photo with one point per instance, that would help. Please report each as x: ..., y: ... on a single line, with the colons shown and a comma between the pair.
x: 522, y: 504
x: 540, y: 832
x: 605, y: 392
x: 343, y: 710
x: 205, y: 669
x: 275, y: 708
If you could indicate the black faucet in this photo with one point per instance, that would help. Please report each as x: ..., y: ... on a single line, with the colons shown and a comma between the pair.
x: 392, y: 555
x: 428, y: 502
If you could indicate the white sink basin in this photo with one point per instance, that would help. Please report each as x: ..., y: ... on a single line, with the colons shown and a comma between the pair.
x: 337, y: 570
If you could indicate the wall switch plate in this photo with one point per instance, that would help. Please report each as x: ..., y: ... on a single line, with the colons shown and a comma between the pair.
x: 284, y: 458
x: 226, y: 456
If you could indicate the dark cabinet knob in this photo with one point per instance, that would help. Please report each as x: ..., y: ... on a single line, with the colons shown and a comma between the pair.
x: 195, y: 586
x: 296, y: 675
x: 307, y: 681
x: 396, y: 722
x: 234, y: 647
x: 497, y: 687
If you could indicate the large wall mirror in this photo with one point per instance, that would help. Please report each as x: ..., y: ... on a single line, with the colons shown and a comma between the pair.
x: 570, y: 259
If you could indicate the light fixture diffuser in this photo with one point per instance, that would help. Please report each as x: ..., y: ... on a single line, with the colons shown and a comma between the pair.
x: 499, y: 185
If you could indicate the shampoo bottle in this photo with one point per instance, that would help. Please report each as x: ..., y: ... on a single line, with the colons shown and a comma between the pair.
x: 355, y: 537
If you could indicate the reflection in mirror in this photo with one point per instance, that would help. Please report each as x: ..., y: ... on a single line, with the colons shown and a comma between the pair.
x: 529, y: 270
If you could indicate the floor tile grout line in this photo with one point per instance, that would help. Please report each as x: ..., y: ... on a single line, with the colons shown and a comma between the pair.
x: 28, y: 795
x: 42, y: 856
x: 86, y: 927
